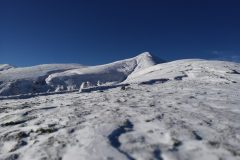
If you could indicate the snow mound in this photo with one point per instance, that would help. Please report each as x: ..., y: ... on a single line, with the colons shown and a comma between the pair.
x: 111, y: 73
x: 5, y: 67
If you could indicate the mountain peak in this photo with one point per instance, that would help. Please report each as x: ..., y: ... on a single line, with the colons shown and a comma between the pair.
x: 64, y: 77
x: 145, y: 54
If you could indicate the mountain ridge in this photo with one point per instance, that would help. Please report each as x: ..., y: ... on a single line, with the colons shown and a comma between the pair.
x: 66, y: 77
x: 50, y: 77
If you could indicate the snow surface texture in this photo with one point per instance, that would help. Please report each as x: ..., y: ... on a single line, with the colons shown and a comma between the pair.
x: 181, y: 110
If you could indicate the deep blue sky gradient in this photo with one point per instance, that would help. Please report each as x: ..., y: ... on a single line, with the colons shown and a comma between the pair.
x: 101, y: 31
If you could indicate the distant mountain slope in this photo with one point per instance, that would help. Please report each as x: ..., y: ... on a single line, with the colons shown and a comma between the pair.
x: 5, y: 67
x: 143, y: 68
x: 200, y: 70
x: 50, y: 77
x: 29, y: 79
x: 112, y: 73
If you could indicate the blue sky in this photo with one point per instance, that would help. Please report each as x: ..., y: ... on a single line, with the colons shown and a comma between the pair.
x: 96, y: 32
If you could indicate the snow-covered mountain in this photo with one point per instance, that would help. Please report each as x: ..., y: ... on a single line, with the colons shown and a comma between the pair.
x: 111, y: 73
x: 144, y: 67
x: 29, y: 79
x: 189, y: 69
x: 185, y: 109
x: 5, y: 67
x: 60, y: 77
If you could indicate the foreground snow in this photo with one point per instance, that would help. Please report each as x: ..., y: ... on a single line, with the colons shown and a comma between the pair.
x: 187, y: 109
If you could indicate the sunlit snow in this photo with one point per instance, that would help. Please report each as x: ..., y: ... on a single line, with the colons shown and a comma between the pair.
x: 133, y: 109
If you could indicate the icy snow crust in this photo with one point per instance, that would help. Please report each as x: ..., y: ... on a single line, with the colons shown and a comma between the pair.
x: 186, y: 109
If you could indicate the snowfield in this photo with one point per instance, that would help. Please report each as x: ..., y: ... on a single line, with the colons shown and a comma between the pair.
x: 180, y: 110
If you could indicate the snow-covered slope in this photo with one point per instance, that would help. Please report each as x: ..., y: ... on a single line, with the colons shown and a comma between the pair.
x: 5, y: 67
x: 194, y: 69
x: 112, y: 73
x: 29, y: 79
x: 180, y: 110
x: 62, y: 77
